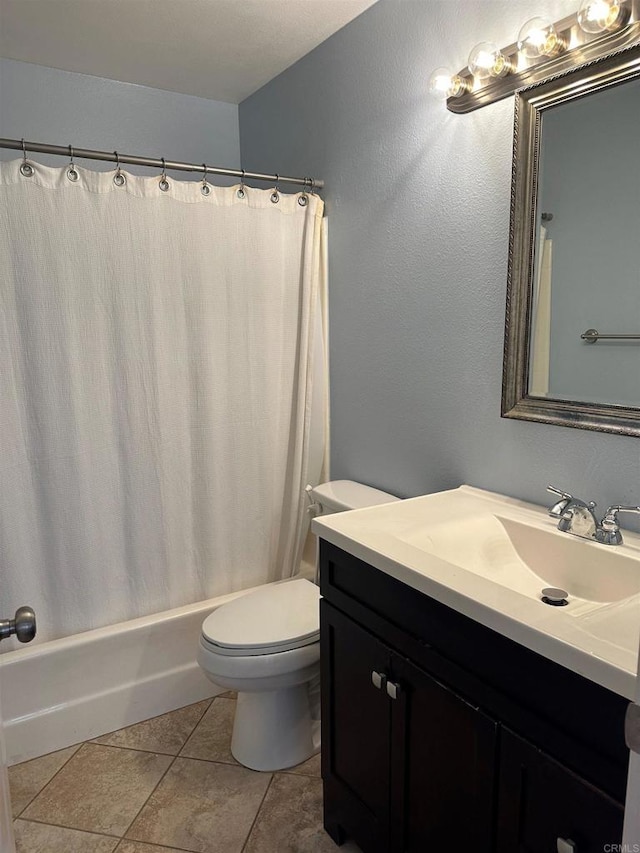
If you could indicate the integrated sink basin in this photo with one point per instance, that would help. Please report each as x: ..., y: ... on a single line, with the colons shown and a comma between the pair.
x: 490, y: 557
x: 527, y: 558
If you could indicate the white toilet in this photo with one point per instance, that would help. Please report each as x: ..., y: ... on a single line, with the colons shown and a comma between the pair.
x: 266, y: 645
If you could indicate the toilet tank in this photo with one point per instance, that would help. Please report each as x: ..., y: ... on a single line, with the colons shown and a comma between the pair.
x: 341, y: 495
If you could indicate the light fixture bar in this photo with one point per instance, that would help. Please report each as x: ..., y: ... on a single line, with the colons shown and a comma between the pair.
x: 582, y: 47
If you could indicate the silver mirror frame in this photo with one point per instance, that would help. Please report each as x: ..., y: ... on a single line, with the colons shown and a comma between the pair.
x: 530, y: 104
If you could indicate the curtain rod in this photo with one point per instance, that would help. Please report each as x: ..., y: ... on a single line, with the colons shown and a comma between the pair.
x: 114, y: 157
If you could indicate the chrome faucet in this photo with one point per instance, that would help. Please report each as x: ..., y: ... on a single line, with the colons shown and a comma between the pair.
x: 578, y: 518
x: 609, y: 531
x: 574, y: 516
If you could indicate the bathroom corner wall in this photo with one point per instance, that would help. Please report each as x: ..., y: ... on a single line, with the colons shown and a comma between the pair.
x: 60, y: 107
x: 418, y: 206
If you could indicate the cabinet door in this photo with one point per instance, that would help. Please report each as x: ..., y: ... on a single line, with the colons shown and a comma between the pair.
x: 355, y: 732
x: 449, y: 749
x: 544, y: 807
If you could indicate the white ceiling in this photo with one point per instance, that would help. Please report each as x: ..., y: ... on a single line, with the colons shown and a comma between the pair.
x: 219, y: 49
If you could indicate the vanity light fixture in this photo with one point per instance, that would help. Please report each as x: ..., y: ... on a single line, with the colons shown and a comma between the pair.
x: 542, y: 50
x: 444, y: 84
x: 539, y: 38
x: 487, y: 60
x: 597, y: 16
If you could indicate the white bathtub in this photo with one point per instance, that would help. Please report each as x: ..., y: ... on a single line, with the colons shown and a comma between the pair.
x: 69, y: 690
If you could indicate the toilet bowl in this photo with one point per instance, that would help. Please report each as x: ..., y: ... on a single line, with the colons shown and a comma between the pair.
x: 266, y: 646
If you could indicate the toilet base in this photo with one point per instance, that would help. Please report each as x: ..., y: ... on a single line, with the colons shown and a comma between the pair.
x: 273, y: 729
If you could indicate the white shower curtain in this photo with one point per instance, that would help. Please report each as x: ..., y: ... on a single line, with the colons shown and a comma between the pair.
x: 159, y: 357
x: 541, y: 317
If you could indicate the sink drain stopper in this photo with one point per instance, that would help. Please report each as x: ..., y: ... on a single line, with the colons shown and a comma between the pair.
x: 555, y: 597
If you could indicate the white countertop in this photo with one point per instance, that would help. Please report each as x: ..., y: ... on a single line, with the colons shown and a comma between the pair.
x: 597, y: 640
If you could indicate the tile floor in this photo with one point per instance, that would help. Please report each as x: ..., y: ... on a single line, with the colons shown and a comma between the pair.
x: 167, y: 785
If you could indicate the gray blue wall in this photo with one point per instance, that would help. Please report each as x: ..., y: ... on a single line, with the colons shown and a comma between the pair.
x: 418, y: 201
x: 418, y: 205
x: 60, y: 107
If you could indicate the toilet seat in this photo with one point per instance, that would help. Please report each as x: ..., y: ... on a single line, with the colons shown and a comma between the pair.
x: 275, y: 618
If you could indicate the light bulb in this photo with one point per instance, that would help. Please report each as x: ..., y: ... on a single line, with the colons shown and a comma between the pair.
x: 596, y: 16
x: 539, y: 38
x: 486, y: 60
x: 443, y: 84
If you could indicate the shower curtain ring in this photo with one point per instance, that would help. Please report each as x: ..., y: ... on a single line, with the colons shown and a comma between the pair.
x: 205, y: 189
x: 72, y: 172
x: 275, y: 195
x: 26, y: 169
x: 303, y: 199
x: 163, y: 182
x: 241, y: 190
x: 118, y: 179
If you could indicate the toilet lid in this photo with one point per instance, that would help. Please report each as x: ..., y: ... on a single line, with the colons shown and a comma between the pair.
x: 274, y: 618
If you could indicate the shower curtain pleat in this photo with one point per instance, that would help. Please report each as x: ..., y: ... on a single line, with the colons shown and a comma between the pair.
x: 541, y: 318
x: 158, y: 370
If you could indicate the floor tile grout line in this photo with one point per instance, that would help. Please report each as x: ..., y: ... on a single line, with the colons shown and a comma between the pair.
x: 184, y: 745
x: 49, y: 781
x: 255, y: 819
x: 290, y: 772
x: 202, y: 716
x: 223, y: 763
x: 230, y: 763
x: 122, y: 841
x: 172, y: 756
x: 206, y: 761
x: 97, y: 832
x: 134, y: 749
x: 155, y: 788
x: 95, y: 743
x: 96, y: 740
x: 118, y: 838
x: 123, y: 837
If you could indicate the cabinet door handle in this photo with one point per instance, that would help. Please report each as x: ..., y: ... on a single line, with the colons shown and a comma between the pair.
x: 379, y: 679
x: 566, y: 845
x: 393, y: 689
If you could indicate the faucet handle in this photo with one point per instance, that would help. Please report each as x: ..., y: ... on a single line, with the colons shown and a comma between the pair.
x: 559, y: 507
x: 559, y: 492
x: 610, y: 528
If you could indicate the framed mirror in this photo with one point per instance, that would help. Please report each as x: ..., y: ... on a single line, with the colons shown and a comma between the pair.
x: 572, y: 333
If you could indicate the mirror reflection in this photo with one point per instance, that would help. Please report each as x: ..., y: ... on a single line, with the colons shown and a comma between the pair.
x: 584, y: 335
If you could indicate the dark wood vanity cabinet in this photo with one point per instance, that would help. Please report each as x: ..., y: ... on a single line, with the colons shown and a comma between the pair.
x: 540, y: 800
x: 439, y: 734
x: 357, y: 748
x: 390, y: 723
